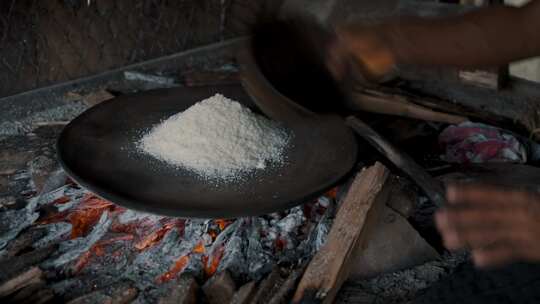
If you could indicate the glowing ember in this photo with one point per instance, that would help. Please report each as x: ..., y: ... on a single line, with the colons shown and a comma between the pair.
x: 211, y: 268
x: 61, y: 200
x: 332, y: 193
x: 98, y: 250
x: 281, y: 244
x: 82, y: 261
x: 222, y: 224
x: 87, y: 214
x: 156, y: 236
x: 157, y: 249
x: 213, y: 234
x: 199, y: 248
x: 178, y: 267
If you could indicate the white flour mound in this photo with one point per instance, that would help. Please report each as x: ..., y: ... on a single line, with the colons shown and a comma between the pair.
x: 217, y: 138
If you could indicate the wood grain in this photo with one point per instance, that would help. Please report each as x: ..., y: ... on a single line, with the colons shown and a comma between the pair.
x: 329, y: 268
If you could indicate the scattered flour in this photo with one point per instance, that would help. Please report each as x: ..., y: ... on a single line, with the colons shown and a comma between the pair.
x: 217, y: 138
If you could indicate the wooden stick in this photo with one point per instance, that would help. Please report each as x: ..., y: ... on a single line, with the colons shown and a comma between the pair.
x: 184, y: 293
x: 266, y: 286
x: 37, y: 284
x: 328, y: 270
x: 432, y: 188
x: 22, y: 280
x: 245, y: 293
x: 393, y: 105
x: 220, y: 288
x: 286, y: 290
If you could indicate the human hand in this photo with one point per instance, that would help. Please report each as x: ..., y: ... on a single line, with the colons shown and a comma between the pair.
x: 498, y: 226
x: 363, y: 48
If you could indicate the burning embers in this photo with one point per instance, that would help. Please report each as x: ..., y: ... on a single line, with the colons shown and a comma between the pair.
x: 99, y: 243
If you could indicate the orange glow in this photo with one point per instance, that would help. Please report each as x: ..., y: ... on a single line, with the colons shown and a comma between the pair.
x: 178, y: 267
x: 98, y: 249
x: 199, y: 248
x: 61, y: 200
x: 209, y: 270
x: 87, y: 214
x: 222, y: 224
x: 212, y: 234
x: 155, y: 237
x: 280, y: 244
x: 332, y: 193
x: 83, y: 217
x: 82, y: 261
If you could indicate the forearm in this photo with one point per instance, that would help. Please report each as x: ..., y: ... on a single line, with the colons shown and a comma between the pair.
x: 488, y: 37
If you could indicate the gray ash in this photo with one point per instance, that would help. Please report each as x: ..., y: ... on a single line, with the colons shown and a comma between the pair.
x: 100, y: 244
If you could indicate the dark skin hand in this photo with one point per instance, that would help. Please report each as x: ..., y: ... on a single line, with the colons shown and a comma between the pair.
x: 498, y: 226
x: 487, y: 37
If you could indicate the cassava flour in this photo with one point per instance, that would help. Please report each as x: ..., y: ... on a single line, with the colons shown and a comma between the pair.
x: 217, y: 138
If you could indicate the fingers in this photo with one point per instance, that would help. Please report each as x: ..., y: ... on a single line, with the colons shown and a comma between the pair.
x: 498, y: 226
x: 486, y: 195
x: 364, y: 47
x: 510, y: 252
x: 336, y: 60
x: 477, y: 217
x: 470, y: 234
x: 484, y: 258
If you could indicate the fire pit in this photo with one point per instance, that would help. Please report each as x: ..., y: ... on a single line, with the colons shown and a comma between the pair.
x: 95, y: 244
x: 60, y: 242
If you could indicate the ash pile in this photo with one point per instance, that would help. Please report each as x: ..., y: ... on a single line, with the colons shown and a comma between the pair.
x: 74, y: 243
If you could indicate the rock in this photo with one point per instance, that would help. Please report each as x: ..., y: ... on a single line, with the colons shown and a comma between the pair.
x: 403, y: 197
x: 392, y: 245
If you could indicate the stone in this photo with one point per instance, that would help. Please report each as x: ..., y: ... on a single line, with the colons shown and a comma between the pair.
x: 392, y: 245
x: 403, y: 197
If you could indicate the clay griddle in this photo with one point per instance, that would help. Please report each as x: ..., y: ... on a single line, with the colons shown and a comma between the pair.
x: 98, y: 150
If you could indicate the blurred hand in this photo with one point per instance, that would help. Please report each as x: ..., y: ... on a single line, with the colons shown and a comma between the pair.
x: 362, y: 48
x: 498, y: 226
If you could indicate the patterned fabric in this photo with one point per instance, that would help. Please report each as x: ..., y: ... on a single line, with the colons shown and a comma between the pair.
x: 479, y: 143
